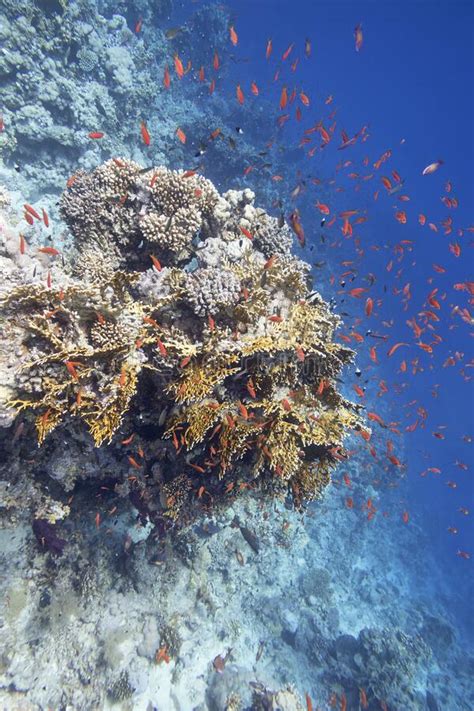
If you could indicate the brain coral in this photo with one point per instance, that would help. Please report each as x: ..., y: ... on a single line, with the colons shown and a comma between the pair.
x: 232, y: 366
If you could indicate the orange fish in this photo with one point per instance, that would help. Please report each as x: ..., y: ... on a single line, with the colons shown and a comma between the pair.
x: 251, y: 389
x: 166, y: 78
x: 269, y: 48
x: 309, y: 703
x: 138, y: 26
x: 31, y: 210
x: 359, y: 38
x: 239, y: 94
x: 71, y: 369
x: 357, y: 292
x: 233, y: 36
x: 45, y: 217
x: 178, y: 65
x: 49, y: 250
x: 245, y: 232
x: 201, y: 74
x: 134, y: 463
x: 395, y: 348
x: 97, y: 520
x: 369, y: 305
x: 162, y: 348
x: 22, y: 244
x: 211, y: 323
x: 96, y: 134
x: 287, y: 52
x: 283, y: 98
x: 215, y: 61
x: 212, y: 86
x: 405, y: 517
x: 401, y: 216
x: 300, y: 354
x: 254, y: 89
x: 145, y: 134
x: 324, y: 209
x: 181, y: 135
x: 304, y: 99
x: 156, y: 263
x: 363, y: 699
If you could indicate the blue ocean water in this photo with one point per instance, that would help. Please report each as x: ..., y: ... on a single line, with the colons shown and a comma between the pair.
x: 364, y: 600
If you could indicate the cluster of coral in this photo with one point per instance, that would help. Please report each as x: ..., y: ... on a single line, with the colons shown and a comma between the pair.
x: 184, y: 308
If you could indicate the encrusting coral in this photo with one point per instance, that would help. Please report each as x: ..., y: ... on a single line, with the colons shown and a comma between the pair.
x: 235, y: 362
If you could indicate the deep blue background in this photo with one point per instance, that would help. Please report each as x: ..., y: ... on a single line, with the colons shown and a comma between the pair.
x: 411, y: 80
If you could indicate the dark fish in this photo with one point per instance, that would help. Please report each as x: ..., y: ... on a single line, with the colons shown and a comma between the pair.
x: 260, y: 649
x: 251, y: 538
x: 239, y: 130
x: 146, y: 170
x: 18, y: 432
x: 281, y: 220
x: 173, y: 32
x: 323, y: 222
x: 318, y: 265
x: 219, y: 662
x: 232, y: 143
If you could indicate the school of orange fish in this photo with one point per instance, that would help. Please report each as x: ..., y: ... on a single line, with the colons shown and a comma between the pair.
x: 416, y: 354
x: 340, y: 230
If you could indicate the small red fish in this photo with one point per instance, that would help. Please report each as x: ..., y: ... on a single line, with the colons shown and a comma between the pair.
x: 269, y: 49
x: 49, y: 250
x: 45, y: 217
x: 181, y: 135
x: 283, y: 98
x: 359, y: 38
x: 287, y: 52
x: 245, y: 232
x: 254, y: 89
x: 162, y: 348
x: 156, y: 263
x: 96, y: 134
x: 138, y: 25
x: 215, y: 61
x: 233, y: 36
x: 240, y: 94
x: 134, y: 463
x: 145, y: 134
x: 405, y: 517
x: 166, y: 78
x: 395, y: 348
x: 178, y: 65
x: 22, y: 244
x: 304, y: 99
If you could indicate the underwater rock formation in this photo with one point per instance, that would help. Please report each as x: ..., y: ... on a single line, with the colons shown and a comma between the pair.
x: 169, y: 322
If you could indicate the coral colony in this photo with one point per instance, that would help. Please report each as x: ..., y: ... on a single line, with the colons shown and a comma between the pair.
x: 183, y: 323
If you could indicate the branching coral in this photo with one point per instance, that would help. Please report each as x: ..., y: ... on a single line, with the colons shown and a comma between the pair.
x: 236, y: 363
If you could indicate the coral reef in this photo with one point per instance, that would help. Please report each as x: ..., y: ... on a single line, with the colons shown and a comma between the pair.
x: 235, y: 364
